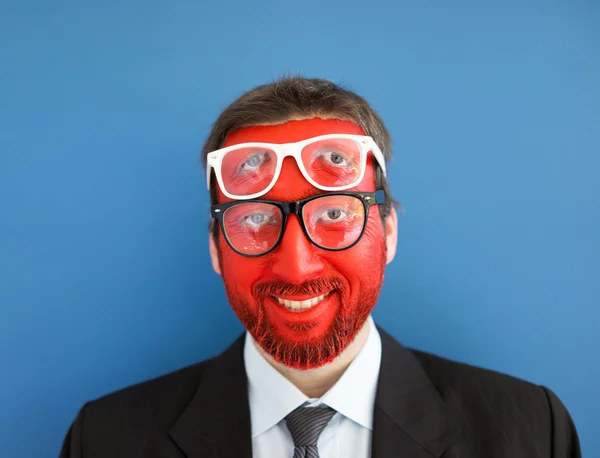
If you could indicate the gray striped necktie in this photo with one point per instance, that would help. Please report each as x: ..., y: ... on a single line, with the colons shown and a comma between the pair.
x: 306, y: 425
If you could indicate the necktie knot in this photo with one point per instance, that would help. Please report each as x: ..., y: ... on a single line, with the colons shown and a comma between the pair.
x: 307, y: 423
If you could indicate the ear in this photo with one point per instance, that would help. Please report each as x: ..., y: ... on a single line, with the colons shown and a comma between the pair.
x: 391, y: 235
x: 214, y: 253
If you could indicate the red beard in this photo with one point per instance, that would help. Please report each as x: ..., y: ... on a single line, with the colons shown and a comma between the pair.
x: 311, y: 351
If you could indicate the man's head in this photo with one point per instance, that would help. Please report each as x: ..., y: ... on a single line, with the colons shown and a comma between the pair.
x: 301, y: 296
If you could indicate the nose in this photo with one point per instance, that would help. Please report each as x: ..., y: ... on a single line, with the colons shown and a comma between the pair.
x: 295, y: 260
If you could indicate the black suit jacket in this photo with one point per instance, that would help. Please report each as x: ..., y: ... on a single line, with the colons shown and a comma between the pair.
x: 425, y: 407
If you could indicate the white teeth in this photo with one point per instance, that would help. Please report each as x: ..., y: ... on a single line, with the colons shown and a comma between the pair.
x: 301, y: 305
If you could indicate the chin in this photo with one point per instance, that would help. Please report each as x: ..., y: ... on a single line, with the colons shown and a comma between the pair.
x: 306, y: 345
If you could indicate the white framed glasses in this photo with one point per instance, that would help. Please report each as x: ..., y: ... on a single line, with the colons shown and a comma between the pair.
x: 333, y: 162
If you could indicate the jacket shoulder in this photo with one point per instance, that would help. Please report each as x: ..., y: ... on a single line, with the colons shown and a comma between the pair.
x: 448, y: 374
x: 137, y: 421
x: 469, y: 388
x: 488, y: 402
x: 121, y: 423
x: 167, y: 394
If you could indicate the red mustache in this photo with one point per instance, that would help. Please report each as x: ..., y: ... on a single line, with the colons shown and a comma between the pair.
x: 309, y: 288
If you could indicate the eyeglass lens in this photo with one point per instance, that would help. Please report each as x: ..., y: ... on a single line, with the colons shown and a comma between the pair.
x: 330, y: 163
x: 333, y: 222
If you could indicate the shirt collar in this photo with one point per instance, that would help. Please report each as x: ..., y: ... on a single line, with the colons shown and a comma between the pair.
x: 271, y: 396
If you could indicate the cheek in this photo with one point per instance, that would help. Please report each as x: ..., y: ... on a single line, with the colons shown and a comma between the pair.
x: 364, y: 263
x: 374, y: 236
x: 239, y: 273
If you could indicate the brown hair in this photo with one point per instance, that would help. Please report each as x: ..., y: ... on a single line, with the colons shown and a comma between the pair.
x: 295, y: 97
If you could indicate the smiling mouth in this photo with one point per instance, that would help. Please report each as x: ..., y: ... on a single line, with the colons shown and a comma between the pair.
x: 298, y: 306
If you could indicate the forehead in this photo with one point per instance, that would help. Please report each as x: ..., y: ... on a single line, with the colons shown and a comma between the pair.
x: 292, y: 131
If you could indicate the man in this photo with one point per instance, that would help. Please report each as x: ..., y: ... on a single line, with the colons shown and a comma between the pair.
x: 303, y: 227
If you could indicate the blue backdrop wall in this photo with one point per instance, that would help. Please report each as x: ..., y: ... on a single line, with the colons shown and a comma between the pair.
x: 104, y: 272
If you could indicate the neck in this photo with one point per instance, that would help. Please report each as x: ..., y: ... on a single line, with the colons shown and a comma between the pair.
x: 314, y: 383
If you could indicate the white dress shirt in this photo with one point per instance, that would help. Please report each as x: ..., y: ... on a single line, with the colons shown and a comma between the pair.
x: 271, y: 397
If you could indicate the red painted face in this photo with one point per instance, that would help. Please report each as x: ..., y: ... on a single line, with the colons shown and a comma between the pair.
x: 298, y: 270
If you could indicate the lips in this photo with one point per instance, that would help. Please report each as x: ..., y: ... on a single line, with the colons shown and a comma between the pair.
x: 301, y: 305
x: 323, y: 311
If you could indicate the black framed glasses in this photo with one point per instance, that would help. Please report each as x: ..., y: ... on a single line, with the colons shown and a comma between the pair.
x: 333, y: 221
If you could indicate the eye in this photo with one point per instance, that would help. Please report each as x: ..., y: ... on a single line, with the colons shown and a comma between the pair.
x: 254, y: 161
x: 334, y: 158
x: 256, y: 220
x: 333, y: 215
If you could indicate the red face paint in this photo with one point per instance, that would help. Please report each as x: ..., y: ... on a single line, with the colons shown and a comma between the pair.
x: 298, y: 270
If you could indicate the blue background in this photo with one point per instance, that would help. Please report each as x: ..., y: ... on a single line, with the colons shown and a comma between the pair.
x: 105, y: 277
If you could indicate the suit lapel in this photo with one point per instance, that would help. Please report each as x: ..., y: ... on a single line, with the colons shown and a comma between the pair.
x: 217, y: 420
x: 410, y: 418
